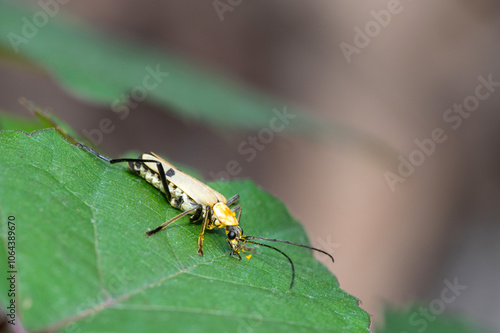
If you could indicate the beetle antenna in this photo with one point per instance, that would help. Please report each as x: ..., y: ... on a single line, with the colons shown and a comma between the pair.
x: 288, y: 242
x: 92, y: 151
x: 245, y: 240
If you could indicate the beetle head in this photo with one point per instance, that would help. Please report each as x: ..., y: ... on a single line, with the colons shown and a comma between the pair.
x: 234, y: 234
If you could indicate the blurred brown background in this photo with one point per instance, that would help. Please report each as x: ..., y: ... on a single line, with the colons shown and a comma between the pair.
x: 390, y: 247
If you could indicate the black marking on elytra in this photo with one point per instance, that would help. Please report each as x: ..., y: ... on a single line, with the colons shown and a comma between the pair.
x: 170, y: 172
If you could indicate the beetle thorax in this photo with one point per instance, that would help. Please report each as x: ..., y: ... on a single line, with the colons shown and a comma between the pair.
x: 224, y: 216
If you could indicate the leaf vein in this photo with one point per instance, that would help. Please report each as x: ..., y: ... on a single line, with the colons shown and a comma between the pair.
x: 110, y: 302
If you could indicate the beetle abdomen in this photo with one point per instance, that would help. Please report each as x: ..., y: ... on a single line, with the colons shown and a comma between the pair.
x: 178, y: 199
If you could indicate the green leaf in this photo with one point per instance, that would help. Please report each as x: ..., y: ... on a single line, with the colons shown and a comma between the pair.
x: 417, y: 319
x: 42, y: 121
x: 11, y: 121
x: 103, y: 69
x: 85, y: 265
x: 106, y: 69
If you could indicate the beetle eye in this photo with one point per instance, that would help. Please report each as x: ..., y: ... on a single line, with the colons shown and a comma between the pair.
x: 231, y: 235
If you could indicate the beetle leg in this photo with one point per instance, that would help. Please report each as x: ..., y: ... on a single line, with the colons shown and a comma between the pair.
x: 164, y: 225
x: 237, y: 209
x: 202, y: 233
x: 161, y: 171
x: 233, y: 199
x: 197, y: 215
x: 235, y: 254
